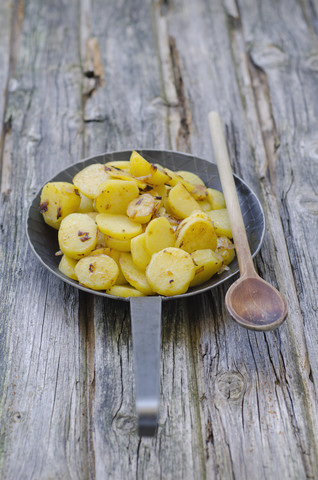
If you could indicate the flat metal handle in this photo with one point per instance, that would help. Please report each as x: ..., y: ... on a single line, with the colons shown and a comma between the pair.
x: 145, y: 313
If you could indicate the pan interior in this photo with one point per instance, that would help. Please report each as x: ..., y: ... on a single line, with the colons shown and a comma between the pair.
x: 43, y: 239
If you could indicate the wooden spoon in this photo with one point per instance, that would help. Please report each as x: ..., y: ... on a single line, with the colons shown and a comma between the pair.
x: 252, y: 302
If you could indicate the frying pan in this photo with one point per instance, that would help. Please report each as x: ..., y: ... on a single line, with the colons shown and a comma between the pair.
x: 145, y: 312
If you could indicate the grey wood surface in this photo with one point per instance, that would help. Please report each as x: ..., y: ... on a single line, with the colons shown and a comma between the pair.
x: 83, y: 77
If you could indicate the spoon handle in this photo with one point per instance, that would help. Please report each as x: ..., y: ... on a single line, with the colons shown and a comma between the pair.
x: 231, y: 199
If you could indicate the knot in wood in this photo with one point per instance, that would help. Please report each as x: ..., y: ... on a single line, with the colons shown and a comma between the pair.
x: 231, y: 385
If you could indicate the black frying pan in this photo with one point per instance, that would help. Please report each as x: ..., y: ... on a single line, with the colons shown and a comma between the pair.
x: 146, y: 311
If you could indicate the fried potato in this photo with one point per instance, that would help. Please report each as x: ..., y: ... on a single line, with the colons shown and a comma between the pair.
x: 133, y: 274
x: 198, y: 191
x: 221, y: 221
x: 101, y: 236
x: 159, y: 235
x: 140, y: 255
x: 123, y: 175
x: 181, y: 203
x: 86, y: 205
x: 170, y: 271
x: 120, y: 245
x: 119, y: 165
x: 114, y: 196
x: 207, y: 263
x: 58, y: 199
x: 196, y: 233
x: 67, y: 267
x: 89, y: 179
x: 124, y: 291
x: 141, y: 209
x: 118, y: 226
x: 216, y: 199
x: 114, y: 254
x: 225, y: 248
x: 190, y: 177
x: 98, y: 272
x: 77, y: 235
x: 148, y: 172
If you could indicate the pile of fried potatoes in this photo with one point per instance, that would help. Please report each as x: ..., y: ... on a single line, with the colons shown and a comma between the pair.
x: 133, y: 228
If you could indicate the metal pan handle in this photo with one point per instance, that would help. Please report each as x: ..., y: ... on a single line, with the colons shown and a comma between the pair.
x: 145, y: 313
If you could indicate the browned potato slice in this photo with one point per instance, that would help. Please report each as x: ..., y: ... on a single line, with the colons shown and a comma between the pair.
x: 198, y: 192
x: 89, y: 179
x: 190, y: 177
x: 159, y: 235
x: 118, y: 226
x: 122, y: 175
x: 221, y: 221
x: 225, y: 248
x: 141, y: 208
x: 205, y: 205
x: 140, y: 255
x: 124, y: 291
x: 120, y: 245
x: 98, y: 272
x: 114, y: 196
x: 119, y: 165
x: 67, y: 266
x: 216, y: 198
x: 133, y: 274
x: 207, y: 263
x: 170, y: 271
x: 58, y: 199
x: 181, y: 203
x: 148, y: 172
x: 77, y: 235
x: 196, y: 233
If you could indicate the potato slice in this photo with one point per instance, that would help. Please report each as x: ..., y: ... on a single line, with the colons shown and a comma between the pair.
x: 133, y: 274
x: 120, y: 245
x: 207, y: 263
x: 123, y: 175
x: 190, y: 177
x: 216, y: 198
x: 67, y: 267
x: 225, y: 248
x: 141, y: 209
x: 181, y: 203
x: 98, y: 272
x: 89, y: 179
x: 124, y: 291
x: 58, y: 199
x: 221, y: 221
x: 119, y: 165
x: 86, y: 205
x: 118, y: 226
x: 77, y: 235
x: 196, y: 233
x: 170, y: 271
x: 159, y: 235
x: 114, y: 196
x: 205, y: 205
x: 148, y: 172
x: 140, y: 255
x: 101, y: 236
x: 114, y: 254
x: 198, y: 192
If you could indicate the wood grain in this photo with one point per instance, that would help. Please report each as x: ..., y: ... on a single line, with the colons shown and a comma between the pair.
x: 80, y: 78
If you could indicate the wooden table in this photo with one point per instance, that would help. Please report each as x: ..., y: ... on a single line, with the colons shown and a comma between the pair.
x: 79, y: 78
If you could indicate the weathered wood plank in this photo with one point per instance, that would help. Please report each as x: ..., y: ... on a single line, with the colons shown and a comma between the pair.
x: 43, y: 398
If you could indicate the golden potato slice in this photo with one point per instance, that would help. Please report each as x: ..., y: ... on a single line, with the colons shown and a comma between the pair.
x: 118, y: 226
x: 141, y: 209
x: 159, y: 235
x: 77, y: 235
x: 98, y: 272
x: 123, y: 175
x: 119, y: 165
x: 58, y: 199
x: 196, y: 233
x: 207, y: 263
x: 198, y: 192
x: 140, y: 255
x: 216, y: 199
x: 190, y: 177
x: 225, y: 248
x: 89, y: 179
x: 170, y: 271
x: 148, y: 172
x: 221, y: 221
x: 124, y: 291
x: 101, y: 236
x: 114, y: 196
x: 67, y: 266
x: 133, y: 274
x: 114, y: 254
x: 181, y: 203
x: 205, y: 205
x: 86, y: 205
x: 120, y: 245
